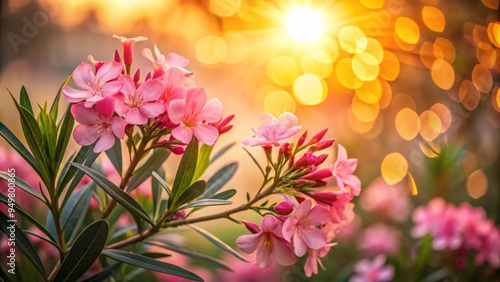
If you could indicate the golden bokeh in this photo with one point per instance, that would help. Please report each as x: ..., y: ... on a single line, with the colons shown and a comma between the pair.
x: 492, y: 4
x: 386, y: 98
x: 345, y: 74
x: 407, y: 30
x: 444, y: 49
x: 283, y: 70
x: 317, y: 62
x: 211, y: 50
x: 442, y: 74
x: 349, y: 37
x: 278, y: 102
x: 365, y: 66
x: 433, y: 18
x: 363, y: 111
x: 494, y: 33
x: 373, y: 4
x: 495, y: 99
x: 403, y: 100
x: 237, y: 48
x: 372, y: 46
x: 477, y: 184
x: 407, y: 123
x: 469, y: 95
x: 309, y: 90
x: 394, y: 168
x: 389, y: 67
x: 430, y: 125
x: 370, y: 92
x: 444, y: 115
x: 486, y: 55
x: 482, y: 78
x: 357, y: 125
x: 224, y: 8
x: 430, y: 149
x: 426, y: 53
x: 412, y: 184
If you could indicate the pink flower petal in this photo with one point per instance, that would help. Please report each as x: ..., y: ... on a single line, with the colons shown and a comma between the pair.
x: 150, y: 90
x: 341, y: 153
x: 106, y: 141
x: 108, y: 71
x: 286, y: 121
x: 118, y: 127
x: 196, y: 98
x: 121, y: 107
x: 207, y: 134
x: 257, y: 141
x: 176, y: 60
x: 135, y: 116
x: 248, y: 243
x: 176, y: 111
x: 300, y: 247
x: 75, y: 95
x: 318, y: 215
x: 282, y: 252
x: 264, y: 255
x: 303, y: 209
x: 83, y: 75
x: 173, y: 78
x: 182, y: 133
x: 84, y: 115
x: 313, y: 237
x: 111, y: 88
x: 152, y: 110
x: 105, y: 107
x: 288, y: 228
x: 212, y: 111
x: 85, y: 134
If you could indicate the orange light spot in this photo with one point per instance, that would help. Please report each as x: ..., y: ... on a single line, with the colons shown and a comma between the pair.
x: 477, y: 184
x: 363, y: 111
x: 370, y: 92
x: 385, y: 99
x: 494, y: 33
x: 486, y: 55
x: 445, y: 48
x: 444, y: 115
x: 442, y: 74
x: 430, y: 125
x: 433, y: 18
x: 407, y: 30
x: 394, y: 168
x: 407, y: 124
x: 345, y: 74
x: 389, y: 67
x: 469, y: 95
x: 492, y: 4
x: 482, y: 78
x: 427, y: 54
x: 365, y: 66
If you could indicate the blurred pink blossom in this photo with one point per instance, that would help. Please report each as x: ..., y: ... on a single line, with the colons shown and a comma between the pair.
x: 94, y: 86
x: 343, y: 170
x: 269, y: 243
x: 302, y: 227
x: 245, y: 272
x: 315, y: 256
x: 372, y: 270
x: 391, y: 201
x: 163, y: 63
x: 489, y: 249
x: 380, y: 239
x: 427, y: 217
x: 274, y: 131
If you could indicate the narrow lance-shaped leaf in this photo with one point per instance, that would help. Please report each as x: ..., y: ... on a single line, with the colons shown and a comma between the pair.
x: 154, y: 162
x: 206, y: 203
x: 4, y: 199
x: 203, y: 160
x: 23, y: 185
x: 212, y: 261
x: 104, y: 274
x: 151, y: 264
x: 222, y: 152
x: 17, y: 145
x: 74, y: 211
x: 115, y: 155
x: 193, y: 192
x: 162, y: 182
x: 65, y: 129
x: 217, y: 242
x: 219, y: 179
x: 156, y: 192
x: 185, y: 172
x: 24, y: 100
x: 224, y: 195
x: 22, y: 242
x: 55, y: 104
x: 115, y: 192
x: 84, y: 252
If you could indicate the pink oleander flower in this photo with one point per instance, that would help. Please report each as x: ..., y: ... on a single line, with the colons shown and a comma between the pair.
x: 339, y: 209
x: 269, y: 243
x: 190, y: 115
x: 390, y: 201
x: 310, y: 160
x: 95, y: 86
x: 163, y: 63
x: 314, y: 257
x: 372, y: 271
x: 380, y: 239
x: 98, y: 125
x: 474, y: 225
x: 489, y: 249
x: 274, y: 131
x: 245, y: 272
x: 426, y: 218
x: 128, y: 47
x: 448, y: 231
x: 284, y: 208
x: 343, y: 170
x: 174, y: 83
x: 302, y: 227
x: 137, y: 105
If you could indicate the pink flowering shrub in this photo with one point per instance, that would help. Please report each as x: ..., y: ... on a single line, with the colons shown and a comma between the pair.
x: 114, y: 216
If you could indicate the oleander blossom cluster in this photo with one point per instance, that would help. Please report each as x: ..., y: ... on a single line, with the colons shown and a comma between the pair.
x: 311, y: 215
x: 109, y: 101
x: 462, y: 228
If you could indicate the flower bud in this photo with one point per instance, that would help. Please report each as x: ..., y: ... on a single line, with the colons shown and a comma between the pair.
x: 252, y: 227
x: 137, y: 75
x: 302, y: 139
x: 178, y: 150
x: 283, y: 208
x: 317, y: 137
x: 118, y: 59
x: 318, y: 174
x: 323, y: 144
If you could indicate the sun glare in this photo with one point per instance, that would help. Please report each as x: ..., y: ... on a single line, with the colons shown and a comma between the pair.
x: 304, y: 24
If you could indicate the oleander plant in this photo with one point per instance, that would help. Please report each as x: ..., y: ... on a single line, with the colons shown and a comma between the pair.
x: 105, y: 208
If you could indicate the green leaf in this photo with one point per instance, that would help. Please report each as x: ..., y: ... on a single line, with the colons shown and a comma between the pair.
x: 224, y: 195
x: 156, y: 191
x: 22, y: 242
x: 48, y: 130
x: 16, y: 144
x: 219, y: 179
x: 65, y: 129
x: 32, y: 220
x: 222, y: 152
x: 115, y: 155
x: 210, y: 260
x: 105, y: 273
x: 151, y: 264
x: 153, y: 163
x: 207, y: 202
x: 23, y: 185
x: 84, y: 252
x: 217, y: 242
x: 74, y: 211
x: 192, y: 192
x: 203, y: 160
x: 115, y: 192
x: 185, y: 172
x: 55, y: 104
x: 24, y: 100
x: 162, y: 182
